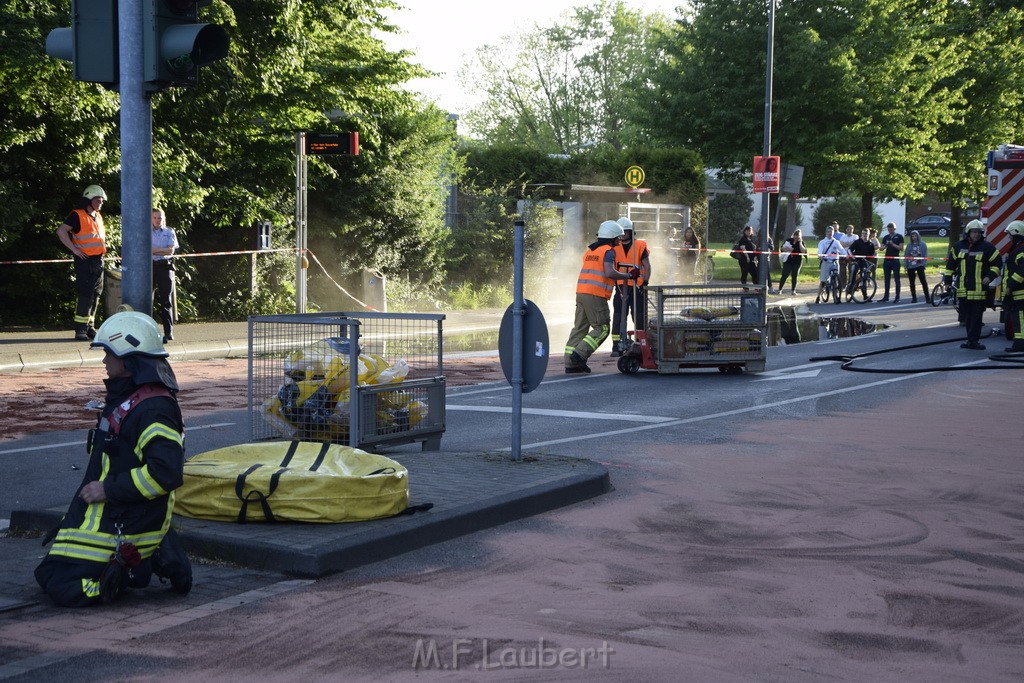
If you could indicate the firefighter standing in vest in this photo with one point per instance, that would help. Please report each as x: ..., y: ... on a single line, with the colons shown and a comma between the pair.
x: 117, y: 530
x: 82, y: 232
x: 1013, y: 299
x: 594, y: 287
x: 977, y: 261
x: 630, y: 254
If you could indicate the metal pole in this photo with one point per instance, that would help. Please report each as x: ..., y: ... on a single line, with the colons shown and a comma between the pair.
x: 762, y: 271
x: 136, y: 164
x: 300, y: 223
x: 518, y: 311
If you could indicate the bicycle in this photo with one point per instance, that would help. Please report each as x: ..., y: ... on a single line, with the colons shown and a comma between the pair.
x: 704, y: 267
x: 862, y: 286
x: 830, y: 287
x: 943, y: 294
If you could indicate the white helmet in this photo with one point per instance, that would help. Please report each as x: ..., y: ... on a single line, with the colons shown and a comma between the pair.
x: 1016, y: 229
x: 609, y: 229
x: 625, y: 223
x: 94, y: 191
x: 976, y: 225
x: 130, y: 332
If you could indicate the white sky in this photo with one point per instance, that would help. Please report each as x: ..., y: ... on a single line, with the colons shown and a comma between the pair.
x: 444, y: 33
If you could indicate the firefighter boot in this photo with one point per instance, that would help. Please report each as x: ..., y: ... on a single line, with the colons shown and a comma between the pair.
x: 170, y: 562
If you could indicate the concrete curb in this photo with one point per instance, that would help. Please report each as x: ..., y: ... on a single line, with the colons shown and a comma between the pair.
x: 315, y: 550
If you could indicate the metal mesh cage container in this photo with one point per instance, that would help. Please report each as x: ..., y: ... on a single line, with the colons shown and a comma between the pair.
x: 705, y: 325
x: 361, y: 379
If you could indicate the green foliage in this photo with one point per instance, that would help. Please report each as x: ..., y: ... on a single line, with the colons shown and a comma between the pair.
x: 224, y: 154
x: 728, y: 213
x: 858, y: 113
x: 468, y: 297
x: 567, y: 87
x: 847, y: 211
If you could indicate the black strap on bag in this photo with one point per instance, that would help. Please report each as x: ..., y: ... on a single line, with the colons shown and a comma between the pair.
x: 292, y: 447
x: 256, y: 495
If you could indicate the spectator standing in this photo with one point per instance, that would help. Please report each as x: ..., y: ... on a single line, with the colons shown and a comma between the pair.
x: 977, y: 261
x: 793, y: 254
x: 846, y: 263
x: 85, y: 236
x: 916, y: 257
x: 689, y: 254
x: 164, y: 243
x: 594, y: 287
x: 893, y: 243
x: 745, y: 252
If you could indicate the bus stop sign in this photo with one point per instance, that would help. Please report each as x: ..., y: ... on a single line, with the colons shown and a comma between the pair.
x: 535, y: 346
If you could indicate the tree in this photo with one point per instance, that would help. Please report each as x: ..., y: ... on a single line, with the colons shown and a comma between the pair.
x: 567, y: 87
x: 224, y: 152
x: 858, y: 114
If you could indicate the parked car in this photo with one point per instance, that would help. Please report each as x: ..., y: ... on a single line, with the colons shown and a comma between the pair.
x: 935, y: 223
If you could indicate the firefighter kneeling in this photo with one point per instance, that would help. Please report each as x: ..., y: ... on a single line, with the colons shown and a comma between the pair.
x: 117, y: 531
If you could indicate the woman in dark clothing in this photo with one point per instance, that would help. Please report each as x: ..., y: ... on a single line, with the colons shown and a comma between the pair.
x: 915, y: 260
x: 745, y: 252
x: 793, y: 254
x: 688, y: 255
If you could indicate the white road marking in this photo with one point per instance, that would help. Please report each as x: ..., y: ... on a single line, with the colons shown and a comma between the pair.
x: 737, y: 411
x: 575, y: 414
x: 79, y: 443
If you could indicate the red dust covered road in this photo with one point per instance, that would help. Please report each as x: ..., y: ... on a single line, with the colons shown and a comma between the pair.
x: 852, y: 546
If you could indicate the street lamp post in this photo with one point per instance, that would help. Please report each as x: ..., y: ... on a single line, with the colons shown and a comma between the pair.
x: 766, y: 150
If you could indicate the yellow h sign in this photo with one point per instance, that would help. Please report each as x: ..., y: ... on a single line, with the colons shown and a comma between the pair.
x: 635, y: 176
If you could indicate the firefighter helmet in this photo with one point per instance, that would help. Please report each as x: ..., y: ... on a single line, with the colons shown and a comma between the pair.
x: 128, y: 333
x: 625, y: 223
x: 1015, y: 229
x: 609, y: 229
x: 94, y: 191
x: 976, y: 225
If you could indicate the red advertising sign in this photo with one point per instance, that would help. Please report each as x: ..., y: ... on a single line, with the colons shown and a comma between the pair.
x: 766, y: 174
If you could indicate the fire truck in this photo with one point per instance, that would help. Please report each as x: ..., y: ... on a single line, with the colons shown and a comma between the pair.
x: 1005, y: 200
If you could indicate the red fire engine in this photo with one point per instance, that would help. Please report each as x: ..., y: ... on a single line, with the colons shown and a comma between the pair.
x: 1005, y: 201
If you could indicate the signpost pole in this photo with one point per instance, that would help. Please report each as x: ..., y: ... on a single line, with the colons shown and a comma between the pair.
x: 300, y: 223
x: 517, y: 339
x: 762, y: 271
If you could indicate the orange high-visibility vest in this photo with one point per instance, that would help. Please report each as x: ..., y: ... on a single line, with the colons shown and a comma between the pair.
x: 625, y: 262
x: 592, y: 278
x: 91, y: 235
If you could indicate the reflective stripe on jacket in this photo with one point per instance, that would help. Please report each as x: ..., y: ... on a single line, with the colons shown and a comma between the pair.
x: 634, y: 259
x: 91, y: 235
x: 140, y: 466
x: 592, y: 279
x: 974, y: 263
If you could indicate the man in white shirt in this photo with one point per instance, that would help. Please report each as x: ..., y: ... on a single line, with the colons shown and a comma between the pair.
x: 829, y: 251
x: 845, y: 265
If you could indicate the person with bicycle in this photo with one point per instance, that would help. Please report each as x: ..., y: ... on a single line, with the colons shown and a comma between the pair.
x: 830, y: 250
x: 863, y: 253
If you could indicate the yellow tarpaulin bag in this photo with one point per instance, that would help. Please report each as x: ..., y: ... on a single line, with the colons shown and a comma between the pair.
x: 297, y: 481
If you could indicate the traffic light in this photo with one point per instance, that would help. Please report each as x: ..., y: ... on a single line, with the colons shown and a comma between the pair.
x: 91, y: 42
x: 175, y: 44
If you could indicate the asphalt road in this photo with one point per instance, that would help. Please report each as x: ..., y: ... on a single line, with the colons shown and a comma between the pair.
x: 804, y: 523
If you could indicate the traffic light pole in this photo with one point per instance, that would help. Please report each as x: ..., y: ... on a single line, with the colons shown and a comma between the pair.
x: 136, y: 163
